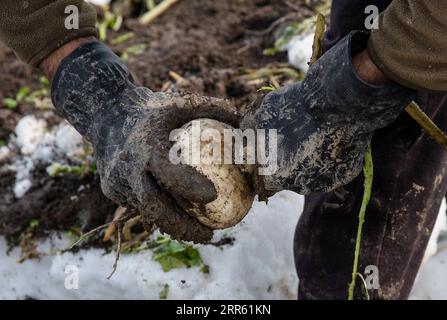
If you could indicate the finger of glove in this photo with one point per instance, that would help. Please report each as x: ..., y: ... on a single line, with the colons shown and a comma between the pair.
x: 178, y: 110
x: 160, y: 209
x: 248, y: 119
x: 180, y: 179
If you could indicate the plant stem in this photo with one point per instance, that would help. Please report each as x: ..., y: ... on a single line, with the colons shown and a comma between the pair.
x: 317, y: 47
x: 157, y: 11
x: 368, y: 171
x: 425, y: 122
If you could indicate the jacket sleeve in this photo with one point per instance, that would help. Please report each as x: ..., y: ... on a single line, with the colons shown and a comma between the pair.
x: 410, y: 45
x: 35, y: 28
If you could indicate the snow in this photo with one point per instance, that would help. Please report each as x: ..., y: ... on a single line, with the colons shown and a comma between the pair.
x: 21, y: 187
x: 439, y: 228
x: 35, y: 144
x: 299, y: 51
x: 4, y: 153
x: 258, y: 265
x: 432, y: 281
x: 99, y: 2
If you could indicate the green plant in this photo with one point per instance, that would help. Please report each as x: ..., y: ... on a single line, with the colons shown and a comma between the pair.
x: 122, y: 38
x: 12, y: 103
x: 368, y: 171
x: 172, y: 254
x: 150, y: 4
x: 111, y: 20
x: 268, y: 88
x: 34, y: 223
x: 136, y: 49
x: 164, y: 292
x: 82, y: 170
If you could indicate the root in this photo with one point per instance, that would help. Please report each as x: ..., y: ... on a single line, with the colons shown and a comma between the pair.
x: 128, y: 226
x: 138, y: 239
x: 119, y: 212
x: 97, y: 229
x: 118, y: 250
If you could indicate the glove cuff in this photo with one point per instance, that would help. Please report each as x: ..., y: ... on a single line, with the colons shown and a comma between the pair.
x: 89, y: 83
x: 348, y: 98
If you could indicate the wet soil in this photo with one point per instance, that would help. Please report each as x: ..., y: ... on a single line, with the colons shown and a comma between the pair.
x: 209, y: 44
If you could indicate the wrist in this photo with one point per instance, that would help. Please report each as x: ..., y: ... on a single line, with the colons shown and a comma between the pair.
x: 368, y: 71
x: 86, y: 82
x: 51, y: 63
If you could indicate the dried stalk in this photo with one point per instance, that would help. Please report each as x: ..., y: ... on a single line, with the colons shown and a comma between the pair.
x: 317, y: 47
x: 425, y: 122
x: 157, y: 11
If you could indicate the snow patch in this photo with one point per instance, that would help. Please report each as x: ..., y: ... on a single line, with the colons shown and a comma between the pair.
x: 99, y: 2
x: 4, y: 153
x: 21, y: 187
x: 299, y: 50
x: 30, y: 132
x: 439, y: 228
x: 259, y: 265
x: 35, y: 144
x: 431, y: 283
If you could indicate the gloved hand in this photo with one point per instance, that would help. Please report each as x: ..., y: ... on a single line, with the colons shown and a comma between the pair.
x: 325, y: 123
x: 129, y: 128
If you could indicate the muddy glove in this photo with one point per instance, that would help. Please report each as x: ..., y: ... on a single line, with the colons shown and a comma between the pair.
x: 129, y: 129
x: 326, y: 122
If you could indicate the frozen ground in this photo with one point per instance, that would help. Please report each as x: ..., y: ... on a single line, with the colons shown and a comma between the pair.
x: 259, y: 265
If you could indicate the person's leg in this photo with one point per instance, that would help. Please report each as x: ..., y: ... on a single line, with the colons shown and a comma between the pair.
x: 410, y: 180
x: 409, y: 184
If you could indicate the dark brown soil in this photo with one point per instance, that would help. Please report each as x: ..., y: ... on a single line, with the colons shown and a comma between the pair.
x: 208, y: 43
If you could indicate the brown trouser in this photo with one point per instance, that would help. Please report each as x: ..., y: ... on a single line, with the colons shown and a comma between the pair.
x: 410, y: 181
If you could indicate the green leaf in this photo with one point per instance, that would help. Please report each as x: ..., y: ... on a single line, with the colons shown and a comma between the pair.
x: 58, y: 169
x: 23, y: 92
x: 2, y: 143
x: 137, y: 48
x: 269, y: 89
x: 102, y: 30
x: 173, y: 254
x: 205, y: 269
x: 169, y: 262
x: 122, y: 38
x: 34, y: 223
x: 270, y: 52
x: 164, y: 292
x: 41, y: 93
x: 10, y: 103
x: 116, y: 23
x: 44, y: 81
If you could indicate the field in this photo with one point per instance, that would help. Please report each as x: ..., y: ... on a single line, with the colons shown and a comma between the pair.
x: 50, y: 193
